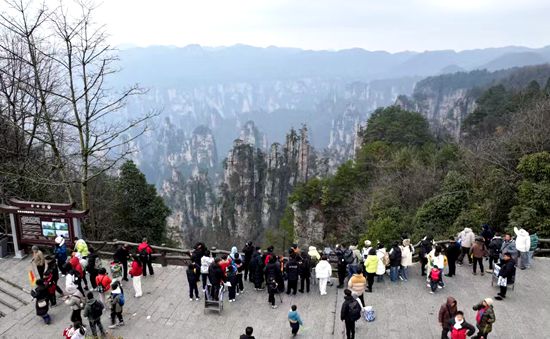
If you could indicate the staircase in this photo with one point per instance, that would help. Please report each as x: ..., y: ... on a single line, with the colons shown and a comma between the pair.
x: 12, y: 297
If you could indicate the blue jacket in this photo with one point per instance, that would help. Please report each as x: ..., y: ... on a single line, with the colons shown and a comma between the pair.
x: 293, y: 317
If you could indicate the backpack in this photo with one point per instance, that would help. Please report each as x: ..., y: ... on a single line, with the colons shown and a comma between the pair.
x: 96, y: 309
x: 369, y: 314
x: 386, y: 259
x: 354, y: 310
x: 349, y: 257
x: 100, y: 287
x: 121, y: 299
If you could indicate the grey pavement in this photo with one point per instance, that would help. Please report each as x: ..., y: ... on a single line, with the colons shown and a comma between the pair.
x: 403, y: 309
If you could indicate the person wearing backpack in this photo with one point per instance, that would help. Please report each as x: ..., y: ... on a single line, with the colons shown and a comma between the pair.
x: 93, y: 311
x: 485, y: 318
x: 60, y: 252
x: 466, y: 239
x: 350, y: 313
x: 135, y: 272
x: 495, y: 247
x: 239, y: 266
x: 121, y: 255
x: 435, y: 278
x: 103, y: 284
x: 383, y: 262
x: 42, y: 305
x: 231, y: 276
x: 145, y: 251
x: 116, y: 300
x: 447, y: 311
x: 206, y: 261
x: 116, y: 271
x: 460, y: 329
x: 76, y: 303
x: 350, y: 260
x: 272, y: 289
x: 395, y: 261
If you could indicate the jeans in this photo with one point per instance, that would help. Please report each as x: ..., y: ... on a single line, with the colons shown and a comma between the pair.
x: 480, y: 261
x: 404, y: 272
x: 524, y: 260
x: 97, y: 323
x: 393, y: 273
x: 380, y: 277
x: 350, y: 329
x: 46, y: 318
x: 351, y: 270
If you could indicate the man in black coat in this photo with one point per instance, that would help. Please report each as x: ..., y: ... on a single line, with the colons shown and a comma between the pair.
x: 452, y: 252
x: 292, y: 273
x: 304, y: 269
x: 346, y: 314
x: 257, y: 269
x: 248, y: 251
x: 216, y: 277
x: 121, y: 255
x: 508, y: 271
x: 342, y: 266
x: 425, y: 248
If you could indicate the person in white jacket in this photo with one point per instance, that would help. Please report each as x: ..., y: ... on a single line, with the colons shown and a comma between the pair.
x: 466, y: 239
x: 523, y: 243
x: 407, y: 251
x: 381, y: 269
x: 323, y: 272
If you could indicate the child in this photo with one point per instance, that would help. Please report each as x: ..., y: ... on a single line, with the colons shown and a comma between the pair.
x: 231, y: 274
x: 192, y: 280
x: 435, y: 276
x: 240, y: 267
x: 294, y: 320
x: 116, y: 271
x: 117, y: 301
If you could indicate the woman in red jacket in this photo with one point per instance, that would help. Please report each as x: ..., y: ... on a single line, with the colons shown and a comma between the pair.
x: 136, y: 271
x: 103, y: 283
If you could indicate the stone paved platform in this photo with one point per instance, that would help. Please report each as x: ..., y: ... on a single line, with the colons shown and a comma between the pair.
x: 404, y: 309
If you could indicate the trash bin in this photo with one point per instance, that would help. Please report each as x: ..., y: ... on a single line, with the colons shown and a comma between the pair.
x: 3, y: 246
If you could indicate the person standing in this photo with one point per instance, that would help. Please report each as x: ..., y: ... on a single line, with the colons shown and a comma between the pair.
x: 72, y: 281
x: 145, y: 251
x: 495, y: 247
x: 478, y: 252
x: 216, y: 277
x: 447, y: 311
x: 116, y: 300
x: 342, y: 266
x: 94, y: 264
x: 350, y: 313
x: 523, y: 245
x: 292, y: 274
x: 295, y: 320
x: 76, y: 302
x: 231, y: 274
x: 248, y: 251
x: 206, y: 261
x: 487, y: 234
x: 257, y: 269
x: 304, y: 269
x: 51, y: 265
x: 323, y: 272
x: 81, y: 247
x: 452, y: 252
x: 508, y: 246
x: 382, y: 260
x: 136, y: 270
x: 466, y: 239
x: 121, y: 255
x: 485, y: 318
x: 407, y: 251
x: 357, y: 283
x: 42, y: 305
x: 103, y: 282
x: 425, y: 248
x: 38, y: 260
x: 248, y: 333
x: 460, y: 329
x: 507, y: 275
x: 534, y: 245
x: 50, y: 281
x: 395, y: 261
x: 371, y: 265
x: 93, y: 311
x: 239, y: 266
x: 60, y: 252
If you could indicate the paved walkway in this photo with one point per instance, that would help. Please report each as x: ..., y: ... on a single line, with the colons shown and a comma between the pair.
x: 404, y: 310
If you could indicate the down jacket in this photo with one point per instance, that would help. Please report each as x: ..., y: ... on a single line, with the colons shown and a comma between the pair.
x: 466, y: 237
x: 523, y: 240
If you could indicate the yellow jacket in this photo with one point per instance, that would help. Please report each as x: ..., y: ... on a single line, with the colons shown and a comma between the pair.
x: 371, y: 264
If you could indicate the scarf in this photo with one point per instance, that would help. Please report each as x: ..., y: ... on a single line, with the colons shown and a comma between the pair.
x: 458, y: 325
x: 480, y: 314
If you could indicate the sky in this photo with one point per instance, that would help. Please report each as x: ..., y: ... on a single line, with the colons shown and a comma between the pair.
x: 391, y: 25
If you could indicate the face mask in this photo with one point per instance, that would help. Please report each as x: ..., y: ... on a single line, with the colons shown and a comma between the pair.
x: 458, y: 323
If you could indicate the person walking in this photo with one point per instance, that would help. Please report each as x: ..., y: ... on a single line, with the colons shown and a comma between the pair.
x: 350, y: 313
x: 145, y: 251
x: 121, y: 255
x: 60, y: 252
x: 103, y: 282
x: 231, y: 277
x: 93, y: 311
x: 51, y: 266
x: 460, y: 329
x: 239, y: 266
x: 304, y: 269
x: 487, y: 233
x: 437, y: 259
x: 425, y: 248
x: 206, y: 261
x: 357, y: 284
x: 94, y: 264
x: 72, y: 281
x: 383, y: 261
x: 447, y: 311
x: 248, y: 251
x: 407, y: 251
x: 506, y: 275
x: 248, y: 333
x: 295, y: 320
x: 478, y: 251
x: 452, y: 253
x: 38, y: 260
x: 78, y: 270
x: 191, y: 273
x: 534, y: 239
x: 466, y: 239
x: 136, y: 270
x: 323, y: 272
x: 272, y: 289
x: 292, y: 274
x: 485, y: 318
x: 116, y: 301
x: 42, y: 304
x: 523, y: 245
x: 77, y: 304
x: 434, y: 278
x: 395, y: 261
x: 371, y: 265
x: 495, y: 247
x: 342, y: 266
x: 81, y: 247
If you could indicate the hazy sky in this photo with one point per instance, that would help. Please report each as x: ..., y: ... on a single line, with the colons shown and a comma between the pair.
x: 392, y: 25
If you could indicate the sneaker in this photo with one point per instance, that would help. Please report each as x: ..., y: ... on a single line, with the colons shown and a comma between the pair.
x: 470, y: 263
x: 498, y: 297
x: 237, y: 293
x: 402, y: 279
x: 121, y: 323
x: 230, y: 300
x: 489, y: 271
x: 428, y: 285
x: 190, y: 299
x: 112, y: 326
x: 439, y: 286
x: 274, y: 306
x: 242, y: 291
x: 197, y: 298
x: 233, y: 300
x: 475, y: 273
x: 431, y: 292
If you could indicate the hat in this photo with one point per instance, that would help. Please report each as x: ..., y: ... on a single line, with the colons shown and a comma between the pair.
x: 59, y: 240
x: 489, y: 301
x: 367, y: 243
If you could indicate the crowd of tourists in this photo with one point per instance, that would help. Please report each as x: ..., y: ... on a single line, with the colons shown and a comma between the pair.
x: 90, y: 288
